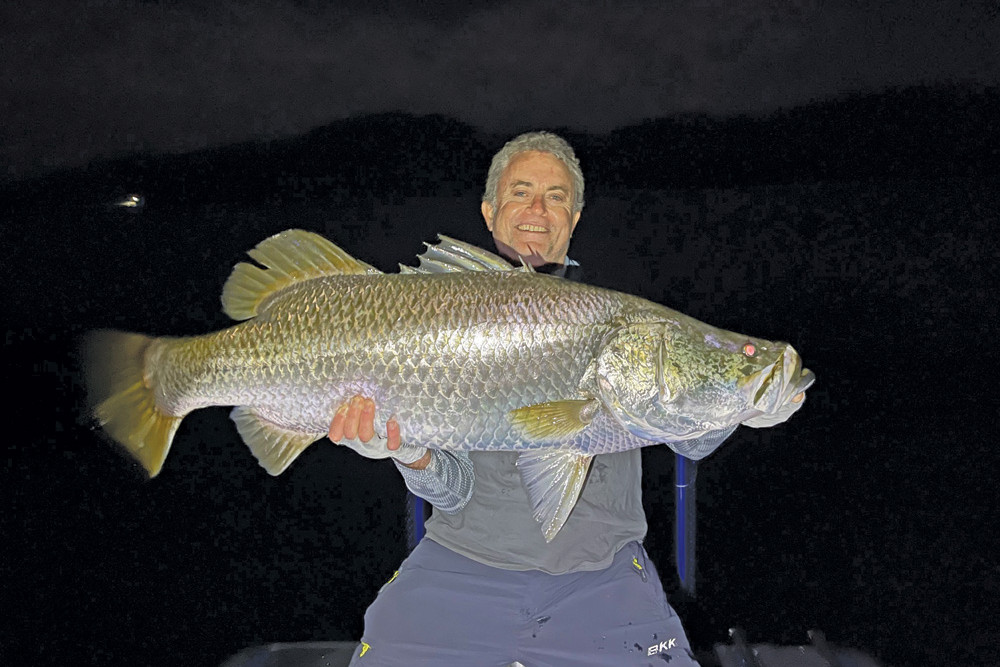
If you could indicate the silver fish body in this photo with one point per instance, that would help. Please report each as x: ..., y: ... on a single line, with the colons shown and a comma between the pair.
x: 449, y: 355
x: 465, y: 353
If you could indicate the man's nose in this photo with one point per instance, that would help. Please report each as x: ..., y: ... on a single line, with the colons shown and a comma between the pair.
x: 538, y: 204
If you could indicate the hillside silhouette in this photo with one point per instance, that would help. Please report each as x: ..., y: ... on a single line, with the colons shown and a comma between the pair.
x: 916, y: 132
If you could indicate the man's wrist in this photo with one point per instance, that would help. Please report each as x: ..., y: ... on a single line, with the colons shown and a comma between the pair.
x: 421, y: 463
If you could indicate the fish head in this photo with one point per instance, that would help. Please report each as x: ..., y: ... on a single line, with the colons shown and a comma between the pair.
x: 680, y: 379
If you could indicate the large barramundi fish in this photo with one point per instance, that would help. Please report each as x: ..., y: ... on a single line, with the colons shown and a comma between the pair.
x: 466, y: 352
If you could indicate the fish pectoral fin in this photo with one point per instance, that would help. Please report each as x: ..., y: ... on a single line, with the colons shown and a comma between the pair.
x: 553, y: 480
x: 289, y: 257
x: 554, y: 420
x: 274, y: 447
x: 700, y: 447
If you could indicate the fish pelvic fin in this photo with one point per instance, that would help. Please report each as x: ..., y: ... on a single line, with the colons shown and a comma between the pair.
x: 553, y: 480
x: 289, y: 257
x: 274, y: 447
x: 121, y: 399
x: 450, y: 255
x: 554, y: 420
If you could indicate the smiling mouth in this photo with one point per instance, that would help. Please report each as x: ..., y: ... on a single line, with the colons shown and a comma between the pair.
x: 531, y: 228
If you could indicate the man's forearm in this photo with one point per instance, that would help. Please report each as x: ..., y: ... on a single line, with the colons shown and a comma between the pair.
x: 445, y: 481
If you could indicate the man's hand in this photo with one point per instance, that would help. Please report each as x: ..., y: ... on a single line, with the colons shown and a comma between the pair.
x: 354, y: 426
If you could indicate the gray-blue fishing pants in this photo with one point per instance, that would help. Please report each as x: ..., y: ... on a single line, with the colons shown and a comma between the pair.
x: 446, y: 610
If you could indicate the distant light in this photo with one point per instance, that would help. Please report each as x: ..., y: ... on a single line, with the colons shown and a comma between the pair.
x: 133, y: 201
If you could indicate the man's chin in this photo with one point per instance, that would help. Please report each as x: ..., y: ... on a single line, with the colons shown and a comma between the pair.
x: 530, y: 256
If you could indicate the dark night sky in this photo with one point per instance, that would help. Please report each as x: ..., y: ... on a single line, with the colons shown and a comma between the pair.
x: 79, y: 79
x: 870, y: 515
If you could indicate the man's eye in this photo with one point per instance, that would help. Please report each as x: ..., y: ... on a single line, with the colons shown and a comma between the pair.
x: 556, y: 197
x: 520, y: 193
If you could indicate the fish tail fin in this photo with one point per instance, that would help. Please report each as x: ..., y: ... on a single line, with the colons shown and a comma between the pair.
x: 121, y: 399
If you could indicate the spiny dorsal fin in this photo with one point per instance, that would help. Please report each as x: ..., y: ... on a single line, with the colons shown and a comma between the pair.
x: 451, y: 255
x: 291, y: 256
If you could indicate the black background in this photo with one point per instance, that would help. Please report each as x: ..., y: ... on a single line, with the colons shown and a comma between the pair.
x: 862, y: 230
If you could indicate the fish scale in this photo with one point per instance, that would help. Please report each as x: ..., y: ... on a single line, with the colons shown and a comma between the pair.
x: 481, y: 358
x: 426, y: 365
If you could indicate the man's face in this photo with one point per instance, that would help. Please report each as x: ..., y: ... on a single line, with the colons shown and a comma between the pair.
x: 534, y: 213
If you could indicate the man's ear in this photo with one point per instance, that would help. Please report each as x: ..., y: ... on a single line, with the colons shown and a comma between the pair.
x: 576, y: 219
x: 487, y: 209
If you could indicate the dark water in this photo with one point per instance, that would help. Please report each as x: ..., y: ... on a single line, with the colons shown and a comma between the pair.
x: 870, y: 515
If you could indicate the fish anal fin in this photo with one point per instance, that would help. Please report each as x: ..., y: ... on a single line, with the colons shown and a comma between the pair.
x: 289, y: 257
x: 274, y: 447
x: 554, y: 420
x: 553, y: 480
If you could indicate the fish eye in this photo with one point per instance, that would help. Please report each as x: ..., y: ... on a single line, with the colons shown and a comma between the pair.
x: 749, y: 350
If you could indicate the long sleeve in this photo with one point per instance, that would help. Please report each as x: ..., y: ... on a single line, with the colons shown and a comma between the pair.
x: 446, y: 482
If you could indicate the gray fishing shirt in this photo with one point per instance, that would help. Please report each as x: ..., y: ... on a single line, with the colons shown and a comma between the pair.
x: 495, y: 525
x: 482, y: 511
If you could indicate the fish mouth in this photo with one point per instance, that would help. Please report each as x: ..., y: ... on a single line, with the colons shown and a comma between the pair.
x: 775, y: 405
x: 793, y: 378
x: 806, y: 379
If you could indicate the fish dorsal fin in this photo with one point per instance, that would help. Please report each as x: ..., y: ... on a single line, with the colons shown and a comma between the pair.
x: 553, y: 479
x: 451, y: 255
x: 290, y: 257
x: 274, y: 447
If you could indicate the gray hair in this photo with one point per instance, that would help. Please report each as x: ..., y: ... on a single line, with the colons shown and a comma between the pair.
x: 544, y: 142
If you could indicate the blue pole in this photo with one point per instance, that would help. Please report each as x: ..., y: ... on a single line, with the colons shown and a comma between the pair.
x: 685, y: 515
x: 414, y: 519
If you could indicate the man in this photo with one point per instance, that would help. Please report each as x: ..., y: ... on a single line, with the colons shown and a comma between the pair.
x: 484, y: 587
